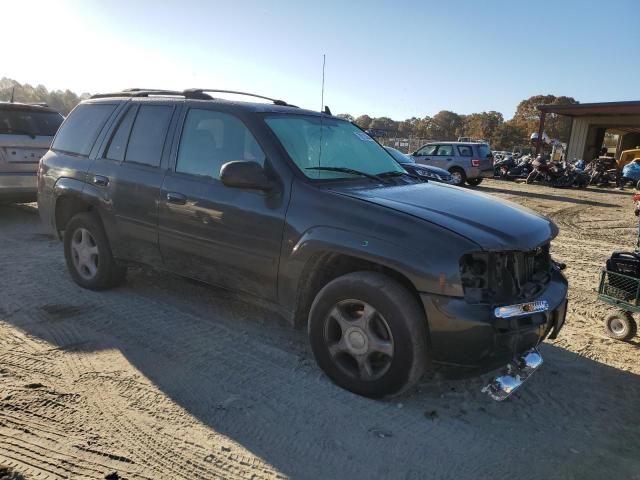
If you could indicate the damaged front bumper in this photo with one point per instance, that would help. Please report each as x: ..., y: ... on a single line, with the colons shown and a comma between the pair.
x: 481, y: 338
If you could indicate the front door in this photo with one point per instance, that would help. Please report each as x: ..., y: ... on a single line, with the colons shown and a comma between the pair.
x: 425, y: 154
x: 221, y: 235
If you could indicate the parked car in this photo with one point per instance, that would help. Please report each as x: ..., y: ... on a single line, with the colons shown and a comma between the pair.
x: 26, y: 132
x: 390, y: 275
x: 423, y: 171
x: 466, y: 161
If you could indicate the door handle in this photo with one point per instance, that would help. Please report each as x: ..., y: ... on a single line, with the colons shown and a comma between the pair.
x: 449, y: 159
x: 100, y: 180
x: 177, y: 198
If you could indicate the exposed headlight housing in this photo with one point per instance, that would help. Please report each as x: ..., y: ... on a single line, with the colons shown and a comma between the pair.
x: 505, y: 277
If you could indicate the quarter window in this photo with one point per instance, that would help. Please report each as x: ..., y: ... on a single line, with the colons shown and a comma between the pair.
x: 210, y: 139
x: 118, y: 144
x: 148, y: 134
x: 80, y: 130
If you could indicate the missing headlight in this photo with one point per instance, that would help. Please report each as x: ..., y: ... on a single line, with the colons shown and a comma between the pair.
x: 498, y: 277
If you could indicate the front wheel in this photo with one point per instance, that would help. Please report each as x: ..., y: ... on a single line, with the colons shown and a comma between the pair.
x: 368, y: 334
x: 474, y: 182
x: 532, y: 177
x: 458, y: 177
x: 621, y: 326
x: 88, y: 254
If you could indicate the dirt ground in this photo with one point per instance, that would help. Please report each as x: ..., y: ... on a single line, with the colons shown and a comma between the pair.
x: 168, y: 379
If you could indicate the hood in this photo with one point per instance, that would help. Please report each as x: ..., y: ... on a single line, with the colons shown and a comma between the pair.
x: 491, y: 223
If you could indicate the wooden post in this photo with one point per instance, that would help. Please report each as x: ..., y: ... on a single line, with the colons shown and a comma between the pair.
x: 543, y: 114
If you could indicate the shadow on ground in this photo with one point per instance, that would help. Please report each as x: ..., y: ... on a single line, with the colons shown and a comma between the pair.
x: 559, y: 196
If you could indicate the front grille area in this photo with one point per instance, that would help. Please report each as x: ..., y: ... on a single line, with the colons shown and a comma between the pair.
x: 505, y: 277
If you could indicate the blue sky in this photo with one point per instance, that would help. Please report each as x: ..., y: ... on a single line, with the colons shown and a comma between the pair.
x: 399, y: 59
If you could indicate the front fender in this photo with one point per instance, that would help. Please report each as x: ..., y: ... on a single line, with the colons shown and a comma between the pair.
x: 430, y: 271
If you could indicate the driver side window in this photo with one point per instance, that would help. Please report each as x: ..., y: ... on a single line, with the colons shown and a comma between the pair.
x: 210, y: 139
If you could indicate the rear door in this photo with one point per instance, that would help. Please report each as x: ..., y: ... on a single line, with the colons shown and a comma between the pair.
x: 444, y: 156
x: 128, y: 176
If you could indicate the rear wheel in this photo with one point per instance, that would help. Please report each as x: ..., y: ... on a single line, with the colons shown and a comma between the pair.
x: 458, y: 176
x: 474, y: 182
x: 621, y: 326
x: 368, y: 334
x: 88, y: 254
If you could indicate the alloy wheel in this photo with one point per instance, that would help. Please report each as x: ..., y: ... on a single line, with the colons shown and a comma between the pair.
x: 85, y: 253
x: 359, y: 340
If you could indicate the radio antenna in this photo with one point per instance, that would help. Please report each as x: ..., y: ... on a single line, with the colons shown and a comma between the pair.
x: 324, y: 59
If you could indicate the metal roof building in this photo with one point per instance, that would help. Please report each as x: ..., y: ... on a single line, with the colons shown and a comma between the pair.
x: 590, y: 121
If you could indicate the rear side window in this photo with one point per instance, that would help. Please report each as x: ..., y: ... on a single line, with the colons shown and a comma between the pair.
x: 29, y: 122
x: 465, y: 151
x: 118, y: 144
x: 445, y: 150
x: 147, y: 137
x: 81, y: 128
x: 427, y: 150
x: 210, y: 139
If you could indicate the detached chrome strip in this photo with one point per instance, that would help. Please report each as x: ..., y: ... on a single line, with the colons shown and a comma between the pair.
x: 521, y: 309
x: 515, y: 374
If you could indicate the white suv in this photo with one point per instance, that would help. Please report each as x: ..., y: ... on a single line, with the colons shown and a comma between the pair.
x: 26, y: 132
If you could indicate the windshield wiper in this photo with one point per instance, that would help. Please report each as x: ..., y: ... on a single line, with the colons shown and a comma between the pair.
x: 396, y: 173
x: 16, y: 131
x: 377, y: 178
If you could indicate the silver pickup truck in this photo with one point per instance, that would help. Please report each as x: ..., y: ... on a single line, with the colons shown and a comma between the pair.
x: 26, y: 132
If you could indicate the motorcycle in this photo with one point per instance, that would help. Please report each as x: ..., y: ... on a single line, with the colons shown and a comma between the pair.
x: 557, y: 174
x: 502, y: 164
x: 520, y: 170
x: 602, y: 171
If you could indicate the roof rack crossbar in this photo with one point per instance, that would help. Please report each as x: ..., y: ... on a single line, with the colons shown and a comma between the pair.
x: 139, y: 92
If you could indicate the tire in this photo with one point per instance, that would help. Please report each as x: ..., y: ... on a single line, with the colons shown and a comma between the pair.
x: 88, y: 254
x: 532, y: 177
x: 620, y: 326
x: 638, y: 185
x: 459, y: 177
x: 369, y: 334
x: 474, y: 182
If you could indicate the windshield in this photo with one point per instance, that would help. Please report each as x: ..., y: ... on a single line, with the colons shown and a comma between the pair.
x: 29, y: 122
x: 399, y: 156
x: 316, y: 142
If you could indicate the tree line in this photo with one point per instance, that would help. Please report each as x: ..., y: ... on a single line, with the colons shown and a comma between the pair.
x: 444, y: 125
x: 62, y: 101
x: 491, y: 126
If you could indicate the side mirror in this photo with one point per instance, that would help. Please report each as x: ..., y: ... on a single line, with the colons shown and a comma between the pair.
x: 245, y: 174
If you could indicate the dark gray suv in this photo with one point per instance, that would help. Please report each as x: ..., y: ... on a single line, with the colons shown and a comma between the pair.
x: 390, y: 275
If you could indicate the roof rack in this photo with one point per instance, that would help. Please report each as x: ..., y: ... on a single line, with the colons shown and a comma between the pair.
x: 191, y: 93
x: 196, y: 91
